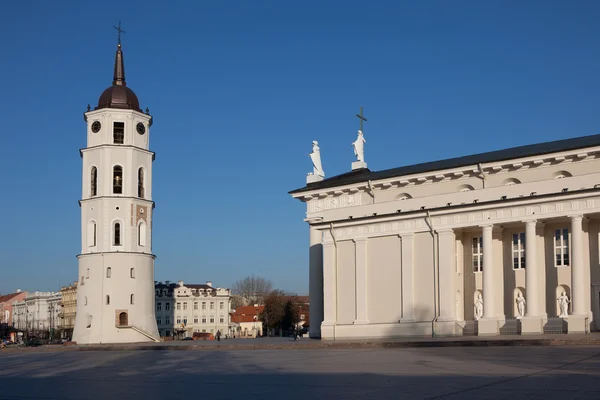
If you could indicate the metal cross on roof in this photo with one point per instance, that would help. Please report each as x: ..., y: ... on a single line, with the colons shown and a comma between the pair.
x: 120, y: 30
x: 360, y: 116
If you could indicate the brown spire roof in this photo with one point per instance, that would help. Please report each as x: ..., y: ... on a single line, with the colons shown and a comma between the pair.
x: 119, y: 95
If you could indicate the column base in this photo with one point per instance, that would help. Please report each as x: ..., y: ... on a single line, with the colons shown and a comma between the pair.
x: 487, y: 327
x: 327, y: 331
x: 531, y: 326
x: 361, y: 322
x: 577, y: 324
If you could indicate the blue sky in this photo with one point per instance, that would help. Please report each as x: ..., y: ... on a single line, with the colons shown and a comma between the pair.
x: 238, y: 91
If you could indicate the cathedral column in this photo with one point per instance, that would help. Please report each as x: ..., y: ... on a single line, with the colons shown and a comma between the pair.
x: 447, y: 275
x: 329, y: 290
x: 488, y: 325
x: 532, y: 322
x: 577, y: 322
x: 361, y: 281
x: 408, y: 302
x: 315, y: 282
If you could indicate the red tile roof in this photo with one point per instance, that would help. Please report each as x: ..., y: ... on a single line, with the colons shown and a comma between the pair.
x: 245, y: 313
x: 6, y: 297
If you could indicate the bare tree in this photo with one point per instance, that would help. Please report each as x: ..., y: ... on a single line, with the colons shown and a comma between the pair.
x: 250, y: 290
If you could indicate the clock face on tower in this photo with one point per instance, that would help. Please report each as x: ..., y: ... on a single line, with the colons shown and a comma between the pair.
x: 141, y: 129
x: 96, y: 126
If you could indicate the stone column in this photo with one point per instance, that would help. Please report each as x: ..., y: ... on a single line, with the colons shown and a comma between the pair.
x: 447, y: 275
x: 329, y: 291
x: 577, y: 321
x: 488, y: 276
x: 315, y: 282
x: 408, y: 302
x: 361, y: 281
x: 532, y: 323
x: 488, y: 325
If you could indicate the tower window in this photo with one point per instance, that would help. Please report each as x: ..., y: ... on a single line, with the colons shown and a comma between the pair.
x: 131, y: 299
x: 118, y: 179
x: 132, y: 273
x: 107, y: 300
x: 94, y: 182
x: 117, y: 241
x: 91, y: 234
x: 118, y: 132
x: 142, y: 233
x: 141, y: 183
x: 108, y: 272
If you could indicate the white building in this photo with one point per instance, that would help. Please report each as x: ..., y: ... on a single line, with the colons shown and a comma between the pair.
x: 410, y: 250
x: 192, y: 308
x: 38, y: 312
x: 115, y: 296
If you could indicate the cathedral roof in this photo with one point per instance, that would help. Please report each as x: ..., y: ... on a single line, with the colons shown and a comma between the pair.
x: 119, y: 95
x: 364, y: 174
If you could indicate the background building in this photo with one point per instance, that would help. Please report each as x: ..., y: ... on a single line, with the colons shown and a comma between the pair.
x: 38, y: 314
x: 68, y: 309
x: 246, y: 321
x: 182, y: 310
x: 6, y: 307
x: 454, y: 246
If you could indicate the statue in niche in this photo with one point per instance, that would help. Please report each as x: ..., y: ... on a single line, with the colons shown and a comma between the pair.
x: 359, y: 147
x: 315, y: 157
x: 478, y: 307
x: 563, y: 303
x: 520, y: 306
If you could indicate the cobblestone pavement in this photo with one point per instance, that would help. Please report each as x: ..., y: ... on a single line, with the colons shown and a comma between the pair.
x: 563, y: 372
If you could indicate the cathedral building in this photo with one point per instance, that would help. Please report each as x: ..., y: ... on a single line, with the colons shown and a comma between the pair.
x: 115, y: 293
x: 505, y: 242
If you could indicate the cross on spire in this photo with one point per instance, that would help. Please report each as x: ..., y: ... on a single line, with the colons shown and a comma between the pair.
x: 119, y: 30
x: 361, y: 118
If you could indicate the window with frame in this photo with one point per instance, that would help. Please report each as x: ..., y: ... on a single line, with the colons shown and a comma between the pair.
x: 561, y: 247
x: 195, y: 320
x: 195, y: 305
x: 158, y: 322
x: 132, y: 273
x: 212, y: 319
x: 158, y: 306
x: 131, y: 299
x: 518, y: 250
x: 167, y: 306
x: 168, y: 321
x: 94, y: 182
x: 221, y: 305
x: 117, y: 234
x: 118, y: 132
x: 221, y: 320
x: 204, y: 305
x: 185, y: 321
x: 203, y: 320
x: 141, y: 183
x: 179, y: 306
x: 212, y: 305
x: 178, y: 320
x: 117, y: 179
x: 108, y: 272
x: 185, y: 306
x: 477, y: 251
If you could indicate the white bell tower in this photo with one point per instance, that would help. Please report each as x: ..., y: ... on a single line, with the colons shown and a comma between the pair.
x: 115, y: 294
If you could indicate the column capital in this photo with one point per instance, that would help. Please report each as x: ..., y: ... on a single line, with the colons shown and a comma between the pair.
x: 444, y: 232
x: 530, y: 221
x: 576, y: 217
x: 486, y: 226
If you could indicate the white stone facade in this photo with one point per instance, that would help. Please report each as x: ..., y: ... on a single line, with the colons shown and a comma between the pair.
x: 408, y: 254
x: 38, y: 312
x: 186, y: 309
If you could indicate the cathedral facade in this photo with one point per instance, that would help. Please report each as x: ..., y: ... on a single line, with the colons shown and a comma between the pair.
x: 115, y: 294
x: 505, y: 242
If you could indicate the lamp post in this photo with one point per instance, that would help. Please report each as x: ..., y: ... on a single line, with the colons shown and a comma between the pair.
x: 255, y: 321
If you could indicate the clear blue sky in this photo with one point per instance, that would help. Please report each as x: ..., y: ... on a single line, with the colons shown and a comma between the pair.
x: 239, y: 90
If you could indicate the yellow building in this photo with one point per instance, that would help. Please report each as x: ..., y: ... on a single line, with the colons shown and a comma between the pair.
x: 68, y: 305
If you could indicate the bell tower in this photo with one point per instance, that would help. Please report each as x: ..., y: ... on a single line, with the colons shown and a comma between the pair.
x: 115, y: 294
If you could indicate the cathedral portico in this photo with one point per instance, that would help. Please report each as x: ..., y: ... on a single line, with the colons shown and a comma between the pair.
x: 484, y: 253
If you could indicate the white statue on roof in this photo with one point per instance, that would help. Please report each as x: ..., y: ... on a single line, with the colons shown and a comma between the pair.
x: 359, y: 147
x: 318, y: 174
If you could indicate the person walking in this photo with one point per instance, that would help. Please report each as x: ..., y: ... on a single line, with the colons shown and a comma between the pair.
x: 218, y: 336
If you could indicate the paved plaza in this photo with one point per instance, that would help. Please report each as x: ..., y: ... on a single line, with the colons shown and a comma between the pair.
x: 561, y: 372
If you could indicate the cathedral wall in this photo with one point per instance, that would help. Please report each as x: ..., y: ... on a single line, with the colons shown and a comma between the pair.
x: 346, y: 282
x: 384, y: 279
x: 423, y: 278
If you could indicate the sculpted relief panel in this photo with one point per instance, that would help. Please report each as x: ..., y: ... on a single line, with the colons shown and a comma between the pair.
x: 346, y: 200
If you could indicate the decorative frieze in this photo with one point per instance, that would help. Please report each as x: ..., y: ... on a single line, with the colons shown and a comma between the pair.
x: 328, y: 203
